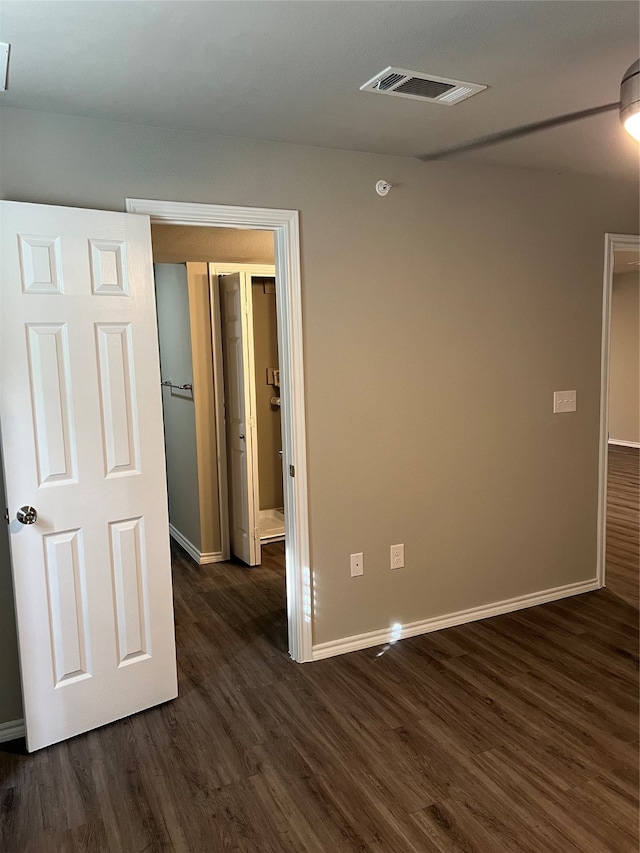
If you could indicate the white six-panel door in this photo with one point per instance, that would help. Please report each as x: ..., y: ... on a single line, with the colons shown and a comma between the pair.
x: 239, y: 382
x: 82, y: 440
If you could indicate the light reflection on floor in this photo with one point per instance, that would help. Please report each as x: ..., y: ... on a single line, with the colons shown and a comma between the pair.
x: 396, y: 634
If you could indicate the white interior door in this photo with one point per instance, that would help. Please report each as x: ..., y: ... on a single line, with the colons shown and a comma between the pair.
x: 240, y: 408
x: 82, y: 439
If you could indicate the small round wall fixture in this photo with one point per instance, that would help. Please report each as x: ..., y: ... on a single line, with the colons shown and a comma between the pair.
x: 630, y: 100
x: 383, y: 187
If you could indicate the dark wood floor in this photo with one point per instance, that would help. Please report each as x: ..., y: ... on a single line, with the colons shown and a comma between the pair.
x: 623, y: 522
x: 515, y: 734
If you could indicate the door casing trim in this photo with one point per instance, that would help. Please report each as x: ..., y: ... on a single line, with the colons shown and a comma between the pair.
x: 285, y: 226
x: 612, y: 243
x: 215, y: 269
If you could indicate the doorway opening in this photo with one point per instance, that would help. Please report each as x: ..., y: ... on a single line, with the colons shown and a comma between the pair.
x: 247, y: 386
x: 284, y: 226
x: 218, y: 337
x: 619, y: 417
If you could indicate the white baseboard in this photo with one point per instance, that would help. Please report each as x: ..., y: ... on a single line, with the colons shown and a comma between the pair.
x: 12, y: 730
x: 624, y: 443
x: 210, y: 557
x: 437, y: 623
x: 202, y: 558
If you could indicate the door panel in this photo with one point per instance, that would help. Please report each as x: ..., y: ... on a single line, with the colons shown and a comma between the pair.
x: 68, y: 608
x: 131, y: 589
x: 118, y: 406
x: 82, y: 441
x: 48, y: 357
x: 237, y: 346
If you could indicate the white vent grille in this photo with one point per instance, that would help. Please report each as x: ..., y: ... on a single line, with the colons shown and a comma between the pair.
x: 421, y: 87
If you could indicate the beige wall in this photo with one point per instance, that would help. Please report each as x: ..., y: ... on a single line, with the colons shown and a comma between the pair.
x: 438, y: 321
x: 265, y: 345
x: 184, y: 331
x: 174, y: 334
x: 624, y: 376
x: 175, y: 244
x: 204, y: 406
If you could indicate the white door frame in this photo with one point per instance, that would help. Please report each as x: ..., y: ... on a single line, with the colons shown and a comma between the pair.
x: 284, y: 224
x: 216, y: 269
x: 612, y: 243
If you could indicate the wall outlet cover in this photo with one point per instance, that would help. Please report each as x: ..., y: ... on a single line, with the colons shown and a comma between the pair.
x: 397, y: 556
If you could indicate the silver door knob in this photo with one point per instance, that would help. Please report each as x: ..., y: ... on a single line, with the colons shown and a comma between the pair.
x: 27, y: 515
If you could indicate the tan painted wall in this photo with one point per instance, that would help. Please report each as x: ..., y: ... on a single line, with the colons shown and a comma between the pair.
x: 204, y: 406
x: 438, y: 321
x: 174, y: 334
x: 624, y: 377
x: 176, y: 244
x: 265, y: 344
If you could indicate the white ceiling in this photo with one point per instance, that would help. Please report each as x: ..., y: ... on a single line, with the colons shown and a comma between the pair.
x: 291, y: 71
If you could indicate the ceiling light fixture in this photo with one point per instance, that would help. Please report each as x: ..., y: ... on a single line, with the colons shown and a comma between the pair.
x: 628, y: 107
x: 630, y: 100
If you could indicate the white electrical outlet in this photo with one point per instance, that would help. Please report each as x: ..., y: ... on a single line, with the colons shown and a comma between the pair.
x: 397, y: 556
x: 564, y: 401
x: 357, y: 565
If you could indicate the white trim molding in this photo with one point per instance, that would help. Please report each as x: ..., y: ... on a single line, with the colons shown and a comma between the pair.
x: 12, y: 730
x: 285, y: 226
x: 207, y: 557
x: 612, y: 243
x: 201, y: 558
x: 437, y: 623
x: 621, y: 443
x: 215, y: 269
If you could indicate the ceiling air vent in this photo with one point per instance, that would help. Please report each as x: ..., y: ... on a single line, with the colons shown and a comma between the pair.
x: 421, y: 87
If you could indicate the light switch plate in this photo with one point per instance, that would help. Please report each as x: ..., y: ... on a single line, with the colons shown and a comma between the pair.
x: 564, y: 401
x: 357, y: 565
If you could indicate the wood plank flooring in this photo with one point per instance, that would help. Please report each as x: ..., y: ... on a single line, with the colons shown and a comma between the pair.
x: 623, y: 522
x: 518, y: 734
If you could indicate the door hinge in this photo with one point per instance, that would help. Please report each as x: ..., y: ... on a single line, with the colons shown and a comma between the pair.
x: 251, y: 422
x: 256, y: 535
x: 6, y: 515
x: 292, y: 471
